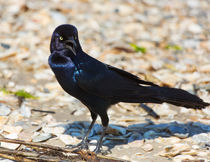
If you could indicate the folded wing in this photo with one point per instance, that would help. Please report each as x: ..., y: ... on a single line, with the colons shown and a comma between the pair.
x: 109, y: 82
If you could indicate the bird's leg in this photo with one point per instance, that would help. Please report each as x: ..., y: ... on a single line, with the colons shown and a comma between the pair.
x: 84, y: 143
x: 105, y: 122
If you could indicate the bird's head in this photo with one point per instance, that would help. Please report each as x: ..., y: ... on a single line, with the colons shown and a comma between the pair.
x: 65, y: 37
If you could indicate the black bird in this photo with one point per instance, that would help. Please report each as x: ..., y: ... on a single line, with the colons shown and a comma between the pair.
x: 98, y: 85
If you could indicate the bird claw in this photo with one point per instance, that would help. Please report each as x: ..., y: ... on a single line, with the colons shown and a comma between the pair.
x: 81, y: 145
x: 103, y: 152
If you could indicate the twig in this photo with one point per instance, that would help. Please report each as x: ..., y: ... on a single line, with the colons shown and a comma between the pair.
x: 35, y: 144
x: 150, y: 111
x: 43, y: 111
x: 44, y: 152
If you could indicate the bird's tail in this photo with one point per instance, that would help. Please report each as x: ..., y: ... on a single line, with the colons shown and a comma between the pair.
x: 174, y: 96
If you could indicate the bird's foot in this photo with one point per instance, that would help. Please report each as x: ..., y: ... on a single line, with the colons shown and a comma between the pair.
x: 81, y: 145
x: 98, y: 150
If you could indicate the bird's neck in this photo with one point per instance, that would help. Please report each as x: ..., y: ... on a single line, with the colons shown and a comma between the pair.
x: 59, y: 60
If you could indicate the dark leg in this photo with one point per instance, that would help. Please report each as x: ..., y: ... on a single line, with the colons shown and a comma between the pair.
x: 105, y: 122
x: 84, y: 143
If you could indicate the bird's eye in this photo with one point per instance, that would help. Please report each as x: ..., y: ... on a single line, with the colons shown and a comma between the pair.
x: 61, y: 38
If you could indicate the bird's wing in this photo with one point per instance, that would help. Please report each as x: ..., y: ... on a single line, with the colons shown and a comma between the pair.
x: 130, y: 76
x: 109, y: 82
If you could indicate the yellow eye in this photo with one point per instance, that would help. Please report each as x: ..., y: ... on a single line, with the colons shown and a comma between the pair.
x: 61, y: 38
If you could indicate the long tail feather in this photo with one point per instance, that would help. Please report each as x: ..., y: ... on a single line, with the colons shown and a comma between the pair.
x: 176, y: 97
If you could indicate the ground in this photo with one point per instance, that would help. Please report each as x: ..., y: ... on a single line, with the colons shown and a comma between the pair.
x: 166, y: 42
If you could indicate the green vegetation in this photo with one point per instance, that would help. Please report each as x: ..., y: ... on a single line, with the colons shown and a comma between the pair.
x: 174, y: 47
x: 138, y: 48
x: 24, y: 94
x: 20, y: 93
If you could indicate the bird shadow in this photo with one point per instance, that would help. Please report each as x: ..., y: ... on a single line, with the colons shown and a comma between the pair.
x: 118, y: 134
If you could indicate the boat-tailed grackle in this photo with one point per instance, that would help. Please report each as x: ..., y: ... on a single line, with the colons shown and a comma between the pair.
x: 98, y: 85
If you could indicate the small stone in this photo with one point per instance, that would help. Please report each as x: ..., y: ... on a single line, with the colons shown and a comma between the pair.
x: 207, y: 111
x: 93, y: 141
x: 3, y: 120
x: 125, y: 157
x: 190, y: 43
x: 133, y: 27
x: 12, y: 129
x: 147, y: 147
x: 169, y: 140
x: 184, y: 110
x: 42, y: 137
x: 25, y: 110
x: 137, y: 143
x: 11, y: 84
x: 12, y: 136
x: 7, y: 73
x: 205, y: 68
x: 202, y: 138
x: 25, y: 135
x: 67, y: 139
x: 139, y: 154
x: 14, y: 117
x: 9, y: 145
x: 125, y: 10
x: 193, y: 4
x: 4, y: 110
x: 79, y: 112
x: 191, y: 152
x: 203, y: 154
x: 164, y: 110
x: 49, y: 119
x: 91, y: 147
x: 173, y: 150
x: 196, y: 147
x: 44, y: 75
x: 181, y: 158
x: 54, y: 130
x: 195, y: 28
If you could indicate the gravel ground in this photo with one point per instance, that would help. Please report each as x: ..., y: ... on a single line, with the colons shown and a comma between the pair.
x: 166, y: 42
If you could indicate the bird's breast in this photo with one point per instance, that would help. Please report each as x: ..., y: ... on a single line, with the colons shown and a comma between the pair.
x: 65, y: 75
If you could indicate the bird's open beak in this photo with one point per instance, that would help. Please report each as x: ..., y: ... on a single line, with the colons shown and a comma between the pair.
x: 71, y: 44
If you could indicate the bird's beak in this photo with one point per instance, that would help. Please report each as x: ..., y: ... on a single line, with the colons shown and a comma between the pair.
x: 71, y: 44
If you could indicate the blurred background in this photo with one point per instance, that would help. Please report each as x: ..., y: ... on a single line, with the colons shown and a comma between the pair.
x: 166, y: 42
